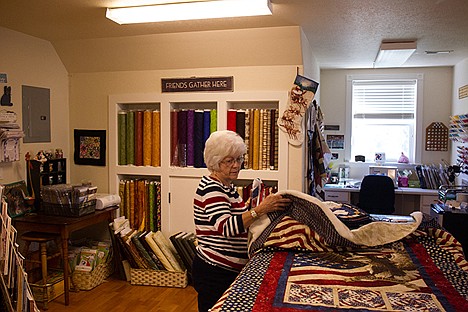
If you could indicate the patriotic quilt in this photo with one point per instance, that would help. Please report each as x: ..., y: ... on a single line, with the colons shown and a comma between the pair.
x: 304, y: 259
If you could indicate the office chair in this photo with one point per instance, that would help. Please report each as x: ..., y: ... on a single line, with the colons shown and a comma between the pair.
x: 377, y: 194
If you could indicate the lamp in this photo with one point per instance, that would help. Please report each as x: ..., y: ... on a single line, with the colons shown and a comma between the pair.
x: 188, y: 11
x: 394, y: 54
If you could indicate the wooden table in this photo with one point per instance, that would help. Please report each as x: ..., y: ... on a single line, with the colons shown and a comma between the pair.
x: 63, y: 226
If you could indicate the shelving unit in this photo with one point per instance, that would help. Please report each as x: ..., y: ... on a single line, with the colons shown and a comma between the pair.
x: 53, y: 171
x: 178, y: 184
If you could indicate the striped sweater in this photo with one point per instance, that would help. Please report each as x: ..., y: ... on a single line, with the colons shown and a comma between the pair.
x: 222, y: 239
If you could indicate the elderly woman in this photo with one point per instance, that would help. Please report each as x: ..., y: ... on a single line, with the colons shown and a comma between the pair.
x: 222, y: 218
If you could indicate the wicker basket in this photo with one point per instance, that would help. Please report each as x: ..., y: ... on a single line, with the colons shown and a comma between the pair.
x: 158, y: 278
x: 70, y: 210
x: 89, y: 280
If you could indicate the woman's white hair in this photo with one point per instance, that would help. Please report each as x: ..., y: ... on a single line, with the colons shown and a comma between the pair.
x: 222, y: 144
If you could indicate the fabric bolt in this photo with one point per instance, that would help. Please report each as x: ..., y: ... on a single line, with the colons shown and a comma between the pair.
x: 139, y: 138
x: 247, y: 138
x: 273, y: 131
x: 122, y: 195
x: 127, y: 201
x: 261, y: 139
x: 146, y: 206
x: 256, y: 141
x: 130, y: 138
x: 264, y: 139
x: 152, y: 204
x: 252, y: 136
x: 276, y: 141
x: 190, y: 137
x: 213, y: 120
x: 141, y: 204
x: 240, y: 123
x: 267, y: 139
x: 131, y: 203
x: 147, y: 137
x: 206, y: 130
x: 174, y: 138
x: 156, y: 144
x: 182, y: 137
x: 198, y: 139
x: 122, y: 135
x: 158, y: 206
x: 231, y: 120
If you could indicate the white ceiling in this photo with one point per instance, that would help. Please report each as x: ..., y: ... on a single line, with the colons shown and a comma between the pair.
x: 342, y: 33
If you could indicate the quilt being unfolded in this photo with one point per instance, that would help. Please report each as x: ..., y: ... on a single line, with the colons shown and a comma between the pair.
x: 307, y: 259
x: 320, y: 216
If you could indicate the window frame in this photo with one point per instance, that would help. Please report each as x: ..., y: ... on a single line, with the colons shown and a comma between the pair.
x: 418, y: 118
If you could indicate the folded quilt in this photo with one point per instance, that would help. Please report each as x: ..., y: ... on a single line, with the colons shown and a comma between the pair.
x: 317, y: 220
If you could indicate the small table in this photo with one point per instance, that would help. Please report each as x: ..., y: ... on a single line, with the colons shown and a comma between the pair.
x: 63, y: 226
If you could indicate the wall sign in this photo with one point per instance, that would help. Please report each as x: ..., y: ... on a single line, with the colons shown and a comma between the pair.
x: 197, y: 84
x: 463, y: 92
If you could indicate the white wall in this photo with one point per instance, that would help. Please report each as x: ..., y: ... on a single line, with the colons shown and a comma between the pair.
x: 89, y: 97
x: 33, y: 62
x: 89, y: 91
x: 459, y: 106
x: 437, y: 101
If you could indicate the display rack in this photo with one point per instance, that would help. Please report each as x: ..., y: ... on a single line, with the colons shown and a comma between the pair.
x: 459, y: 128
x: 15, y: 289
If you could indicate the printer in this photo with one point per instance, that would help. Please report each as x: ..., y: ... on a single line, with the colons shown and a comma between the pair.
x: 389, y: 171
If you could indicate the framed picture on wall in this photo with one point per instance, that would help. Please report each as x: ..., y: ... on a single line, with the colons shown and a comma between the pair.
x: 90, y: 147
x: 335, y: 141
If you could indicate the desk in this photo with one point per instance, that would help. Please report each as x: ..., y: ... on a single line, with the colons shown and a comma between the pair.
x: 454, y: 221
x: 63, y: 226
x: 407, y: 199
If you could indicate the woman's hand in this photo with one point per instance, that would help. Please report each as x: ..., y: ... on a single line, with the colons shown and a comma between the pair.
x: 272, y: 202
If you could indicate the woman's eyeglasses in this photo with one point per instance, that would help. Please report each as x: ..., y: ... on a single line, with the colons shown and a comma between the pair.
x: 230, y: 161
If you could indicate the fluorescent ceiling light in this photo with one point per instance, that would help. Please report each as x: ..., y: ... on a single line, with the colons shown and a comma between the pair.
x: 439, y: 52
x: 394, y: 54
x: 189, y: 11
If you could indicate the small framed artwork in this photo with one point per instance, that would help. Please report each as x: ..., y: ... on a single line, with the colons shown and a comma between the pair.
x: 335, y: 141
x: 90, y: 147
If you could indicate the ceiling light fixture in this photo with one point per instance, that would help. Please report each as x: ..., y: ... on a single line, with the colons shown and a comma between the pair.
x: 188, y: 11
x: 439, y: 52
x: 394, y: 54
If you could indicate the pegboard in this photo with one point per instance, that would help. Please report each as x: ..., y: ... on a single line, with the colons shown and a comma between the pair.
x: 437, y: 137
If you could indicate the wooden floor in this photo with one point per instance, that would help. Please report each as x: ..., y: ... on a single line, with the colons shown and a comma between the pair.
x: 116, y: 295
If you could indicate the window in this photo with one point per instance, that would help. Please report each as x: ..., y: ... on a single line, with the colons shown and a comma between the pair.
x: 382, y: 116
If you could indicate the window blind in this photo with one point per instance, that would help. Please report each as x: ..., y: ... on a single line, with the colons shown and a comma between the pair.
x: 384, y: 99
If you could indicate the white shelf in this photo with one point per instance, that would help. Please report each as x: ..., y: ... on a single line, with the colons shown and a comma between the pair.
x: 178, y: 184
